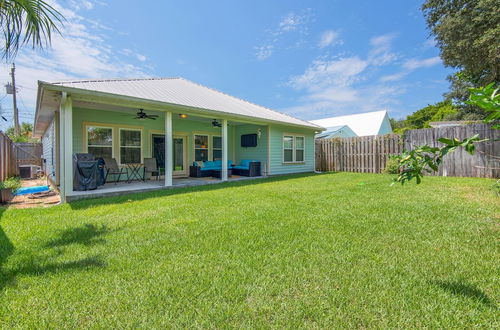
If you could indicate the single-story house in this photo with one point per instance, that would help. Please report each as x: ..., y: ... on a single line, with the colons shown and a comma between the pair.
x: 179, y: 123
x: 341, y: 131
x: 362, y: 124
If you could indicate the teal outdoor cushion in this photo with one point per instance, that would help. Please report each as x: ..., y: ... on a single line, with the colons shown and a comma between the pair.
x: 212, y: 165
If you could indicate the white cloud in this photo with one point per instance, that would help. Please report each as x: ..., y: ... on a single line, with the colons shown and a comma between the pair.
x: 429, y: 43
x: 410, y: 66
x: 414, y: 64
x: 328, y: 38
x: 341, y: 85
x: 393, y: 77
x: 381, y: 52
x: 294, y: 22
x: 81, y: 52
x: 344, y: 85
x: 129, y: 52
x: 263, y: 52
x: 339, y: 72
x: 290, y: 24
x: 336, y: 94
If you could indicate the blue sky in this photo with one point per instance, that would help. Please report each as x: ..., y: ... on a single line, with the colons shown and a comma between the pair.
x: 310, y: 59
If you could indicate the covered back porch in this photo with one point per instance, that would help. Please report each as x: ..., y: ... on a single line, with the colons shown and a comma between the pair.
x: 177, y: 139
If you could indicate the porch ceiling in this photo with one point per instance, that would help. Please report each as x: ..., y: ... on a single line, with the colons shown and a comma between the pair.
x: 133, y: 111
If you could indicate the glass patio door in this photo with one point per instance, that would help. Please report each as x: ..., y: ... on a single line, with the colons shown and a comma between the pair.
x: 180, y: 168
x: 179, y: 153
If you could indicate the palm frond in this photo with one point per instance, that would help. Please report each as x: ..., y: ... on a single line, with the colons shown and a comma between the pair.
x: 27, y: 22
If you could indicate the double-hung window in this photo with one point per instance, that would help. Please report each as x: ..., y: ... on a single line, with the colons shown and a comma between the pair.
x: 100, y: 141
x: 216, y: 148
x: 200, y: 147
x: 130, y: 146
x: 299, y: 148
x: 288, y: 148
x: 293, y: 148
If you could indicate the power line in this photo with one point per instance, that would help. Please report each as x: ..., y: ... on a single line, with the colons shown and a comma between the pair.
x: 34, y: 89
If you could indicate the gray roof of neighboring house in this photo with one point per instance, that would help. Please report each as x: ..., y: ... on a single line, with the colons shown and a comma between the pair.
x: 180, y: 91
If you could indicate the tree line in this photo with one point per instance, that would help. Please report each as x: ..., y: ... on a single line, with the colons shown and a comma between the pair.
x: 467, y: 35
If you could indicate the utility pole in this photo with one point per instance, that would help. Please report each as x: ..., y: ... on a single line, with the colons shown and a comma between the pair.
x: 17, y: 130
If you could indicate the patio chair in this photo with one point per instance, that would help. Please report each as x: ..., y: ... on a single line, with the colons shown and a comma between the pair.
x: 112, y: 169
x: 151, y: 166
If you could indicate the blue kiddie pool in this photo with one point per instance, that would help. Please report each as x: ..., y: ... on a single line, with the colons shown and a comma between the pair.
x: 31, y: 190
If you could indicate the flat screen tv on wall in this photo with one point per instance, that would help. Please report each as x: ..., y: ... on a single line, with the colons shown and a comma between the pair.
x: 249, y: 140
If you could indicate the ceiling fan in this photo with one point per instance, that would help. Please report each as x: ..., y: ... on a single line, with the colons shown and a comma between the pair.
x: 141, y: 115
x: 215, y: 123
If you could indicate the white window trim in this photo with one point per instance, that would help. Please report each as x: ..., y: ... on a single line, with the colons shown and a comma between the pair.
x: 96, y: 146
x: 303, y: 149
x: 137, y: 147
x: 294, y: 148
x: 209, y: 148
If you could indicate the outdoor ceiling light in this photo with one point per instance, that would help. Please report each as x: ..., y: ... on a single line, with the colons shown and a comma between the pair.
x: 183, y: 115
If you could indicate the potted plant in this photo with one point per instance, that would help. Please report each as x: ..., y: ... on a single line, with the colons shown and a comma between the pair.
x: 7, y: 187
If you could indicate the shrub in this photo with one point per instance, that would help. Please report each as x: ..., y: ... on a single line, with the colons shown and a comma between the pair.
x: 392, y: 166
x: 13, y: 183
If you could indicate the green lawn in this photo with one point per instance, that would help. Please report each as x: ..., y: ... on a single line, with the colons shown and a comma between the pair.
x: 334, y: 250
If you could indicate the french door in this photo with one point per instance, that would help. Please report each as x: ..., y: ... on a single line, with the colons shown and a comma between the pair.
x: 179, y: 153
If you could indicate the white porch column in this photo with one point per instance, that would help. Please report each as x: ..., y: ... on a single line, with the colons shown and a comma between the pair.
x: 66, y: 146
x: 224, y: 150
x: 169, y: 166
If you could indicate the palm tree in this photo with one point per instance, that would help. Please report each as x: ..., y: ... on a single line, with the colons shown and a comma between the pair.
x: 27, y: 22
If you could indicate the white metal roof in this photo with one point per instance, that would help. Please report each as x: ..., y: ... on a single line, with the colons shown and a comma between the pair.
x: 363, y: 124
x: 184, y: 92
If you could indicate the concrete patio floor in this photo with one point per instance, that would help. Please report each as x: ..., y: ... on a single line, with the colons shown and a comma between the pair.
x: 122, y: 188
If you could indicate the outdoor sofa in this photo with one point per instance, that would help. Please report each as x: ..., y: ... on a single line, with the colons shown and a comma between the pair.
x: 247, y: 168
x: 213, y: 168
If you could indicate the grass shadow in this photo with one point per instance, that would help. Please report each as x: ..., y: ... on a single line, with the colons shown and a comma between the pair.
x: 84, y: 263
x: 88, y: 234
x: 6, y: 247
x: 34, y: 269
x: 460, y: 288
x: 38, y: 265
x: 88, y: 203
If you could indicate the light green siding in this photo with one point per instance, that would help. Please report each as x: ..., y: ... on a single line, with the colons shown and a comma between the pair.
x: 253, y: 153
x: 277, y: 166
x: 184, y: 127
x: 270, y: 141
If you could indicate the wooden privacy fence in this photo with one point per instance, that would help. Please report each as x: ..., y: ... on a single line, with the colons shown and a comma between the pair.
x: 369, y: 154
x: 8, y: 161
x: 485, y: 162
x: 29, y: 153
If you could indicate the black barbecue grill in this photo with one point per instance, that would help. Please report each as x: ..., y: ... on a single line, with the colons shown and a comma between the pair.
x: 86, y: 172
